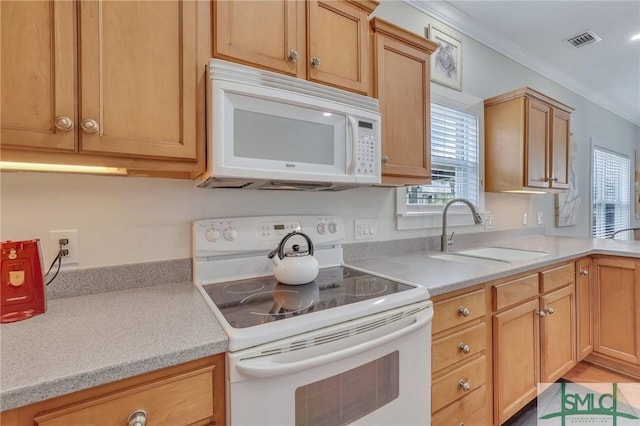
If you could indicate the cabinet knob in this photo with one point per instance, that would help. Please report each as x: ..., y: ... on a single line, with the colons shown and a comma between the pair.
x: 542, y: 314
x: 465, y: 386
x: 464, y: 348
x: 89, y: 126
x: 465, y: 312
x: 549, y: 310
x: 584, y: 272
x: 137, y: 418
x: 384, y: 159
x: 293, y: 56
x: 315, y: 62
x: 63, y: 123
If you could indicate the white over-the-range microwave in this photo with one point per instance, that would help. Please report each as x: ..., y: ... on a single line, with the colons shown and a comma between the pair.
x: 271, y: 131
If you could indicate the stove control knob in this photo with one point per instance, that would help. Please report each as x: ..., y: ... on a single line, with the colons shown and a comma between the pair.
x: 333, y: 227
x: 212, y: 235
x: 230, y: 234
x: 320, y: 228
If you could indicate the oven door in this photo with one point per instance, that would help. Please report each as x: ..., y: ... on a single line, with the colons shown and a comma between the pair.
x: 370, y: 371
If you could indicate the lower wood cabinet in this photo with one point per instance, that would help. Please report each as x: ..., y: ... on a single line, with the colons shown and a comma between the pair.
x: 461, y: 359
x: 187, y: 394
x: 584, y: 303
x: 534, y: 335
x: 616, y: 306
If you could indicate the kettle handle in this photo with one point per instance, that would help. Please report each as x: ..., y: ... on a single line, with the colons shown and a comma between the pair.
x: 280, y: 249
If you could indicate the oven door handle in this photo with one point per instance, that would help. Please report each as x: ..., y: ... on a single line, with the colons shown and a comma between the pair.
x: 264, y: 367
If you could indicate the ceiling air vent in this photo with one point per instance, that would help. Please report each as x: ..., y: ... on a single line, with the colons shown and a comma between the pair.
x: 584, y: 38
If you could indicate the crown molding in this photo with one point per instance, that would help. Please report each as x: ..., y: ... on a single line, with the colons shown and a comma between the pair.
x: 449, y: 15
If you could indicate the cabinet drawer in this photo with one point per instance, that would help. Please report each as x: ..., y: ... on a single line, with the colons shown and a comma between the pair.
x: 447, y: 351
x: 512, y: 292
x: 451, y: 312
x: 557, y: 277
x: 447, y: 388
x: 178, y: 400
x: 469, y: 411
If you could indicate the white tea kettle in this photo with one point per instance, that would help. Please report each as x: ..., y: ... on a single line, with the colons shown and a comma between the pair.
x: 294, y: 267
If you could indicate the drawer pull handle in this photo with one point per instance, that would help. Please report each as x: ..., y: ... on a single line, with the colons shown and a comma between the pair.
x: 549, y: 310
x: 465, y: 386
x: 137, y: 418
x: 464, y: 348
x: 465, y: 312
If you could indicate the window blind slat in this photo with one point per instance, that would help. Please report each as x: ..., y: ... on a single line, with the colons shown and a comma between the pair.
x: 454, y: 158
x: 611, y: 197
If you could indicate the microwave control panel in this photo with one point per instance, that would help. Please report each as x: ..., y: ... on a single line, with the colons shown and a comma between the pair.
x: 367, y: 157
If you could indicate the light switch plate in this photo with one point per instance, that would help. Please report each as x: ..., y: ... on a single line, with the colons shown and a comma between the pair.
x: 365, y: 229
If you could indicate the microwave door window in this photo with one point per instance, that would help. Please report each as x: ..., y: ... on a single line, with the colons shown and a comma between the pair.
x: 278, y: 136
x: 269, y: 137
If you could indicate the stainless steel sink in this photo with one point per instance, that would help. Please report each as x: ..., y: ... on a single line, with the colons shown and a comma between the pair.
x: 474, y: 260
x: 505, y: 254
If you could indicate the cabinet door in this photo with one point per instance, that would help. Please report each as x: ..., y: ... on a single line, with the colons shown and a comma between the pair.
x: 138, y: 84
x: 37, y: 74
x: 584, y: 312
x: 617, y: 308
x: 557, y: 334
x: 265, y: 34
x: 402, y: 86
x: 560, y: 149
x: 515, y: 359
x: 537, y: 143
x: 338, y: 45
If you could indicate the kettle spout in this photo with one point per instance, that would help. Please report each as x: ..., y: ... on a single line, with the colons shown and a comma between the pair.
x: 273, y: 255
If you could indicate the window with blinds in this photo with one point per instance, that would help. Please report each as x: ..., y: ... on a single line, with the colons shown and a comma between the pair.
x: 454, y: 160
x: 611, y: 197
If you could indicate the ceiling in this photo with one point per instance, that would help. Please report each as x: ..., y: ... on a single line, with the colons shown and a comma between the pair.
x: 534, y: 33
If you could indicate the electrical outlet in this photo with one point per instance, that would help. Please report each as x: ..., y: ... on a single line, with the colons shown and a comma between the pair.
x: 489, y: 221
x: 540, y: 219
x: 71, y: 246
x: 365, y: 229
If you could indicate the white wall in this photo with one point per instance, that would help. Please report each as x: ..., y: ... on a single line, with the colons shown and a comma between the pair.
x: 131, y: 220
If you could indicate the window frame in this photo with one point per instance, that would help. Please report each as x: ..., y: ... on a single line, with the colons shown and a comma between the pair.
x: 627, y: 187
x: 458, y: 215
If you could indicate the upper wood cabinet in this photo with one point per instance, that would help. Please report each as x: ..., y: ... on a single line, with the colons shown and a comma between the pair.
x: 402, y: 84
x: 319, y: 40
x: 38, y: 74
x: 139, y: 70
x: 526, y: 142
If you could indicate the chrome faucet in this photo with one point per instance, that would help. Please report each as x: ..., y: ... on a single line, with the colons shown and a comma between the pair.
x: 477, y: 219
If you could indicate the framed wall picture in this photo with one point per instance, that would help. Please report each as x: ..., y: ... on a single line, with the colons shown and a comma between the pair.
x: 446, y: 61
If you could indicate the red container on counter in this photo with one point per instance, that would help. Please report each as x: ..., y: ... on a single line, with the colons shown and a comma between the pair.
x: 22, y: 288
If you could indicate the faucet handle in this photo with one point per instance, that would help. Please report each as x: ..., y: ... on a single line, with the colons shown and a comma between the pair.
x: 450, y: 239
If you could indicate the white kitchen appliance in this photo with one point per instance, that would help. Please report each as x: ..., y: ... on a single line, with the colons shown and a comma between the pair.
x: 271, y: 131
x: 348, y: 348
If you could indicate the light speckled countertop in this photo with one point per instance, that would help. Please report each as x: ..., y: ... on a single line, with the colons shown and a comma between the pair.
x: 443, y: 276
x: 86, y: 341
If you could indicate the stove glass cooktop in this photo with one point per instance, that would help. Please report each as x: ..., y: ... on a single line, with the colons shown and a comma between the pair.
x: 255, y: 301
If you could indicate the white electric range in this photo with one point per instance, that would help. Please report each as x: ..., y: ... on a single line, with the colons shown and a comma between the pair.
x: 348, y: 348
